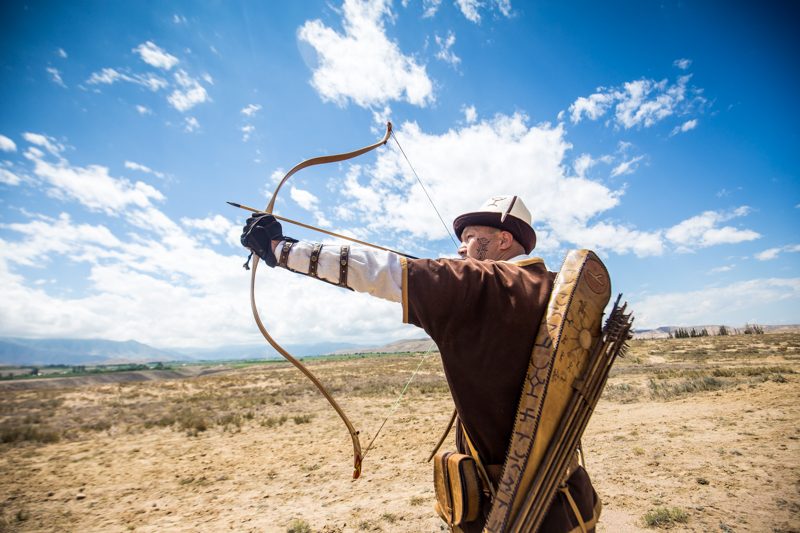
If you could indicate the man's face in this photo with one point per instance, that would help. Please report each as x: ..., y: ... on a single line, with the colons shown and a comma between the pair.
x: 481, y: 242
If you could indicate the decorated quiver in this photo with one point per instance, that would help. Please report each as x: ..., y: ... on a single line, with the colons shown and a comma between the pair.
x: 567, y: 372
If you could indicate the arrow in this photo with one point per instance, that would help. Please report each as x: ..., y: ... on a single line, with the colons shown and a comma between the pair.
x: 326, y: 232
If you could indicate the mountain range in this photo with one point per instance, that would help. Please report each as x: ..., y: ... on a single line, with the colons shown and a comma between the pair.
x: 15, y: 351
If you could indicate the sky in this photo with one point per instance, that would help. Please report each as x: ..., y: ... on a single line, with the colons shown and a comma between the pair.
x: 661, y: 135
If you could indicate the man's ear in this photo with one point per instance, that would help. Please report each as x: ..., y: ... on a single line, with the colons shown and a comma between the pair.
x: 506, y: 240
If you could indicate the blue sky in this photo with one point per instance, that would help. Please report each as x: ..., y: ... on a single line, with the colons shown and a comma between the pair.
x: 661, y: 135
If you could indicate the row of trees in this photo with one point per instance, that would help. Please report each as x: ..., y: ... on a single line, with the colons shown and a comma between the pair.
x: 685, y: 333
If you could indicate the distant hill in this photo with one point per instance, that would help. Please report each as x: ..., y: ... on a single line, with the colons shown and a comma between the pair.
x: 409, y: 345
x: 19, y: 351
x: 16, y: 351
x: 265, y: 351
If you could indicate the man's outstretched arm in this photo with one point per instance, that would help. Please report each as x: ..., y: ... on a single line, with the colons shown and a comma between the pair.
x: 375, y: 272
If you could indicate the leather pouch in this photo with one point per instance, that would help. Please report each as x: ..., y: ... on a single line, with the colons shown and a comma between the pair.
x: 458, y: 487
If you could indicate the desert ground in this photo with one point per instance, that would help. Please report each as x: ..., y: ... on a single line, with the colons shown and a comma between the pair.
x: 696, y: 434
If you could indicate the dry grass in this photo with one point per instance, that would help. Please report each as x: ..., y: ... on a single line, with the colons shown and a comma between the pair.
x: 262, y: 435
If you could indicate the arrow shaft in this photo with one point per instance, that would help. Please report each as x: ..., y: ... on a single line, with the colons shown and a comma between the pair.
x: 326, y: 232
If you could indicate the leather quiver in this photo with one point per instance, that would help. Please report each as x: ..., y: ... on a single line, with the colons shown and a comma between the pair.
x: 458, y: 487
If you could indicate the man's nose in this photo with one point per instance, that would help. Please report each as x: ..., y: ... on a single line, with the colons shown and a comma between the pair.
x: 462, y: 250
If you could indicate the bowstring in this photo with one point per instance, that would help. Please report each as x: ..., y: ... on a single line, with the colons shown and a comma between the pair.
x: 397, y: 401
x: 425, y: 190
x: 424, y: 357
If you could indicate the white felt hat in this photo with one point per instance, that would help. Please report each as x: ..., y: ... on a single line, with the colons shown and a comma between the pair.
x: 507, y: 213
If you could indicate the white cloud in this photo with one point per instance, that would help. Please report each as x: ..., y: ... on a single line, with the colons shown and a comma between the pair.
x: 470, y: 114
x: 109, y: 76
x: 380, y: 117
x: 682, y: 64
x: 186, y: 91
x: 304, y: 199
x: 9, y: 178
x: 61, y: 53
x: 106, y: 76
x: 215, y: 229
x: 46, y: 235
x: 639, y: 103
x: 48, y: 143
x: 686, y: 126
x: 526, y: 160
x: 768, y: 254
x: 155, y: 56
x: 645, y: 102
x: 7, y: 145
x: 144, y: 110
x: 504, y: 6
x: 189, y: 94
x: 469, y: 8
x: 92, y: 186
x: 721, y: 269
x: 773, y: 253
x: 191, y: 124
x: 362, y: 65
x: 218, y: 224
x: 430, y: 7
x: 143, y: 168
x: 251, y: 109
x: 309, y: 202
x: 626, y: 167
x: 618, y: 238
x: 765, y: 301
x: 703, y: 230
x: 584, y: 162
x: 55, y: 75
x: 134, y: 277
x: 593, y: 106
x: 445, y: 52
x: 178, y: 19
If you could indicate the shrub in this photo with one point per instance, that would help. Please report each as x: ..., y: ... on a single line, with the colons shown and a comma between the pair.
x: 659, y: 389
x: 302, y: 419
x: 298, y: 526
x: 192, y: 422
x: 665, y: 517
x: 26, y: 432
x: 753, y: 329
x: 272, y: 421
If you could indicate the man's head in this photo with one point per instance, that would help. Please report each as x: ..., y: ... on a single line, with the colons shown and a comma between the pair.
x: 499, y: 229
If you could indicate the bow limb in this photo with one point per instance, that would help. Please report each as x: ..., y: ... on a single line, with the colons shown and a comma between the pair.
x: 357, y: 455
x: 301, y: 367
x: 335, y: 158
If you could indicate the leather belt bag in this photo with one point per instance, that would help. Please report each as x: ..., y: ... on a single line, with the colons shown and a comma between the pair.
x: 458, y: 487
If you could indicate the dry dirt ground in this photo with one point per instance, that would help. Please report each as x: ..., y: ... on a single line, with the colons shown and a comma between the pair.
x: 691, y: 435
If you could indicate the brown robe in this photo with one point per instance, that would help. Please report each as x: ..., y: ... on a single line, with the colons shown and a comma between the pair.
x: 483, y: 316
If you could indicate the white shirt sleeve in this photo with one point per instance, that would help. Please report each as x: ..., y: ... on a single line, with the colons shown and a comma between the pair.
x: 375, y: 272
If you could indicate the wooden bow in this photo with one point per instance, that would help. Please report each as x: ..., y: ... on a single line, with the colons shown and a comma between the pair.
x: 357, y: 455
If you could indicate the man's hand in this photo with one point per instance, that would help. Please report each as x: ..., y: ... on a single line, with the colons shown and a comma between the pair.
x: 258, y: 234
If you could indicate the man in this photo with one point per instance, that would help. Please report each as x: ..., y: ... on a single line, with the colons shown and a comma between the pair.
x: 482, y: 310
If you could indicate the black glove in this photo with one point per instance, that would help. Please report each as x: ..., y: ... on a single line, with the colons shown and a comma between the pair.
x: 258, y: 234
